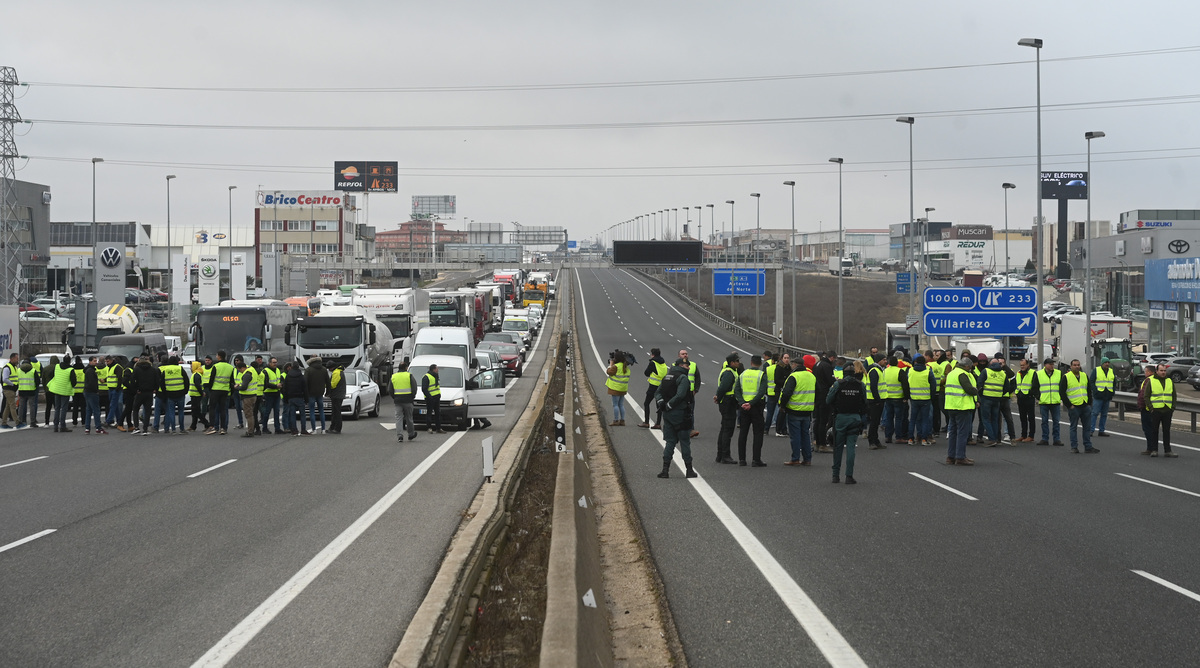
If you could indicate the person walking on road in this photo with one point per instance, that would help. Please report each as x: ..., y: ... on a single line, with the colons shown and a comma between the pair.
x: 433, y: 400
x: 919, y: 383
x: 146, y: 381
x: 1159, y: 398
x: 656, y: 368
x: 317, y: 378
x: 751, y: 393
x: 1046, y: 384
x: 1025, y: 402
x: 777, y: 376
x: 247, y: 387
x: 404, y: 390
x: 961, y: 395
x: 220, y: 382
x: 876, y: 400
x: 673, y: 398
x: 1102, y: 384
x: 8, y: 380
x: 60, y: 385
x: 825, y: 379
x: 994, y: 380
x: 847, y: 397
x: 337, y: 396
x: 728, y: 405
x: 295, y: 397
x: 174, y: 386
x: 270, y: 398
x: 895, y: 408
x: 91, y: 397
x: 196, y: 396
x: 798, y: 402
x: 1076, y: 390
x: 617, y: 385
x: 112, y: 380
x: 28, y: 379
x: 694, y: 382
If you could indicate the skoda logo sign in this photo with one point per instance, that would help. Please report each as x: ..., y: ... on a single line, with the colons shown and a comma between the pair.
x: 111, y: 257
x: 1179, y: 246
x: 208, y: 271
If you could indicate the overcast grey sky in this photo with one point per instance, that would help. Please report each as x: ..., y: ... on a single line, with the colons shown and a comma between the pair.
x: 494, y: 148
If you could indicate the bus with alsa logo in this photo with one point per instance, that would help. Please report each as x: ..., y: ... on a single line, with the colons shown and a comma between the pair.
x: 246, y: 327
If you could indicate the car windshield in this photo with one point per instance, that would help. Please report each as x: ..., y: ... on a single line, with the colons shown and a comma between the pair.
x: 503, y: 348
x: 347, y: 336
x: 515, y: 326
x: 450, y: 349
x: 128, y: 351
x: 399, y: 324
x: 447, y: 376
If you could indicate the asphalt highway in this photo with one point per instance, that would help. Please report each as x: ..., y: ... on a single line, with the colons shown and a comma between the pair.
x: 1034, y: 556
x: 208, y: 550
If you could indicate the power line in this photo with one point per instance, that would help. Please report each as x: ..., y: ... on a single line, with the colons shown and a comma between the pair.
x: 602, y: 85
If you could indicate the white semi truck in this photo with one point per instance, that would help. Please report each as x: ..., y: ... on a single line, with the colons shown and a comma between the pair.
x: 403, y: 310
x: 350, y: 336
x: 1109, y: 337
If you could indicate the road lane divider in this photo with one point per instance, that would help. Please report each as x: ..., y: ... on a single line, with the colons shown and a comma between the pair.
x: 228, y: 647
x: 197, y: 474
x: 825, y: 636
x: 1169, y: 585
x: 1158, y: 484
x: 23, y: 461
x: 948, y: 488
x: 18, y: 543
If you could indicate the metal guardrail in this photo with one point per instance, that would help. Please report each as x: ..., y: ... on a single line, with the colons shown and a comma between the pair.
x: 1125, y: 400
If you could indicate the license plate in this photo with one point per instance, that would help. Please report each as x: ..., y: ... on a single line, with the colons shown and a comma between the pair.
x: 420, y: 411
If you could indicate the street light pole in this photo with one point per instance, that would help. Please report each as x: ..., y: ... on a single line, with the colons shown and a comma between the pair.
x: 1036, y: 44
x: 757, y: 235
x: 169, y: 286
x: 732, y: 230
x: 231, y: 189
x: 909, y: 121
x: 1007, y: 187
x: 1087, y: 231
x: 791, y: 254
x: 841, y: 254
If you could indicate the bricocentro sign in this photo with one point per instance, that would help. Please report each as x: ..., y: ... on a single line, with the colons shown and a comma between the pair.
x: 317, y: 198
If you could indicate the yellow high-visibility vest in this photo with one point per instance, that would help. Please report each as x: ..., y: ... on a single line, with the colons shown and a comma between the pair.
x: 957, y: 398
x: 1048, y: 385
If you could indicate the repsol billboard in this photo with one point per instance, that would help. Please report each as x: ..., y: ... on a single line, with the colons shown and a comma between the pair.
x: 671, y: 253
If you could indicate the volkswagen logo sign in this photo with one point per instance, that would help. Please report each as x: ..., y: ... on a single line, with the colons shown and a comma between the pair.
x: 111, y: 257
x: 1179, y: 246
x: 208, y: 271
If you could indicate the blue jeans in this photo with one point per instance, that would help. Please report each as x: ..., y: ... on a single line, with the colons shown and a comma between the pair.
x: 115, y: 405
x: 922, y: 419
x: 1050, y: 416
x: 1081, y: 415
x: 1100, y: 413
x: 270, y: 403
x: 618, y: 402
x: 772, y: 405
x: 294, y: 405
x: 990, y: 415
x: 175, y: 412
x: 91, y: 410
x: 895, y: 419
x: 799, y: 426
x: 958, y: 430
x: 235, y: 399
x: 316, y: 404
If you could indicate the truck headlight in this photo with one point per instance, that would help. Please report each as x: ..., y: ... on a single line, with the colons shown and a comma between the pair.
x: 458, y: 402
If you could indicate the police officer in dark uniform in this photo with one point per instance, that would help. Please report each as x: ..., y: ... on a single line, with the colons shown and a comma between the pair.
x: 673, y: 399
x: 848, y: 400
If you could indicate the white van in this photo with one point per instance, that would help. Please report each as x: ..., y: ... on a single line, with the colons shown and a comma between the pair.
x: 464, y: 397
x: 456, y: 341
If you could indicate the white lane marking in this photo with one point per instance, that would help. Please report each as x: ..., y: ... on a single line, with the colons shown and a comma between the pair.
x: 1132, y: 436
x: 672, y: 307
x: 256, y: 621
x: 1169, y: 585
x: 825, y: 636
x: 1159, y: 484
x: 388, y: 425
x: 212, y: 468
x: 23, y: 461
x: 26, y: 539
x: 945, y: 487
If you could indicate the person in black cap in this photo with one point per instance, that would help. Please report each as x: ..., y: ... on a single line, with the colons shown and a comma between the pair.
x: 673, y: 398
x: 726, y: 382
x: 825, y: 380
x: 751, y: 394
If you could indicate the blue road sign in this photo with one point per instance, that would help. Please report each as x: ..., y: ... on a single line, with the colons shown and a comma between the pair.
x: 743, y: 282
x: 904, y: 283
x: 985, y: 323
x: 571, y: 243
x: 985, y: 311
x: 680, y: 270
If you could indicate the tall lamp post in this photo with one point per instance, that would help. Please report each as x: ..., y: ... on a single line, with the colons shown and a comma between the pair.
x: 712, y: 222
x: 231, y: 189
x: 841, y: 254
x: 1036, y: 44
x: 791, y: 255
x: 1087, y: 264
x: 909, y: 121
x: 732, y: 230
x: 94, y: 161
x: 170, y: 308
x: 1007, y: 187
x: 757, y: 234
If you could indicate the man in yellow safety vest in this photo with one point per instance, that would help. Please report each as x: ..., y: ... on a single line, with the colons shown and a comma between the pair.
x: 1076, y: 390
x: 1046, y: 389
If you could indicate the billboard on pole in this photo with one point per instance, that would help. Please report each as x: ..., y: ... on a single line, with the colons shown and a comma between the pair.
x: 364, y: 176
x: 670, y: 253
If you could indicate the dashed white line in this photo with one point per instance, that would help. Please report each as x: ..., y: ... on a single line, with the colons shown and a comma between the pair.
x: 948, y: 488
x: 26, y: 539
x: 23, y: 461
x: 1169, y: 585
x: 1158, y: 484
x: 212, y: 468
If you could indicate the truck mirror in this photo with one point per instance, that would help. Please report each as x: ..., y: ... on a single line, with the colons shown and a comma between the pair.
x: 287, y: 334
x: 371, y: 338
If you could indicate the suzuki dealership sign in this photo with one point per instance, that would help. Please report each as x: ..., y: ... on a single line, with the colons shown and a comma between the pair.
x: 321, y: 199
x: 108, y: 262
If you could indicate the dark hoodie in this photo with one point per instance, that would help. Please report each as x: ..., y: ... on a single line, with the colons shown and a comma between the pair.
x: 145, y: 377
x: 316, y: 378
